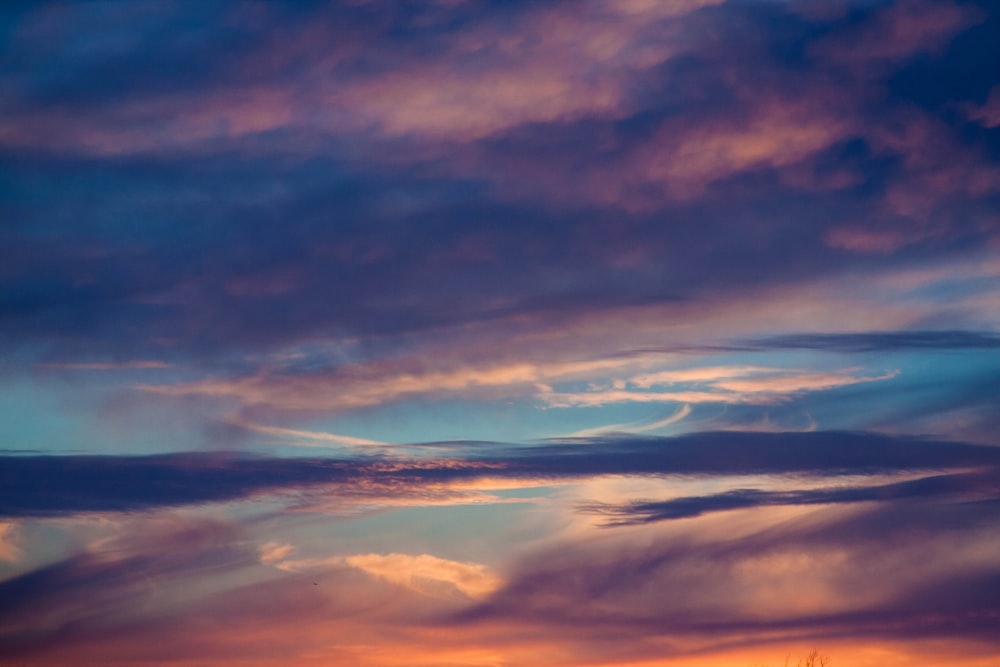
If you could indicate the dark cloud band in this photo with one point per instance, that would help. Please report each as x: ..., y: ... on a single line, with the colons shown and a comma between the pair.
x: 57, y: 485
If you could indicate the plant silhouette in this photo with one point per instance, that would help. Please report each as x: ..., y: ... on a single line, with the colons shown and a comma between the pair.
x: 813, y: 659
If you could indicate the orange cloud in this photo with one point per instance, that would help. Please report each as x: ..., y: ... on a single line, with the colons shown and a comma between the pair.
x: 702, y: 374
x: 799, y: 383
x: 303, y: 438
x: 425, y: 573
x: 9, y: 551
x: 421, y: 573
x: 274, y: 552
x: 379, y: 383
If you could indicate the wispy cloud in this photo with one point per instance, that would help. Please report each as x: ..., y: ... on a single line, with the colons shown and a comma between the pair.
x: 274, y: 552
x: 107, y: 366
x: 422, y: 573
x: 364, y: 385
x: 741, y: 385
x: 880, y: 341
x: 811, y: 558
x: 302, y: 438
x: 970, y: 486
x: 644, y: 426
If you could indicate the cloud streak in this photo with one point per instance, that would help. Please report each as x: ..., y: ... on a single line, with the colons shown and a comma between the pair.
x: 57, y: 485
x: 884, y: 341
x: 966, y: 485
x: 802, y: 576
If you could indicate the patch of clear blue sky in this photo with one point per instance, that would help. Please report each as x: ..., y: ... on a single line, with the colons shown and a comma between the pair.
x: 32, y: 417
x: 80, y: 416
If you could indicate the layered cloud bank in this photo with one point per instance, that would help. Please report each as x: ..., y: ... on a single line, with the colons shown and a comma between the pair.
x: 64, y: 485
x: 463, y: 332
x: 791, y: 537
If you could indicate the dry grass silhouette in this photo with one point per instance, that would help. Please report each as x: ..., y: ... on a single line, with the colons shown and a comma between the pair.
x: 813, y: 659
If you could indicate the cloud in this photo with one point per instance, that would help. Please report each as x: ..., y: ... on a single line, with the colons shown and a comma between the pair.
x: 881, y: 341
x: 56, y: 485
x: 503, y: 69
x: 708, y: 151
x: 797, y: 384
x: 823, y: 573
x: 238, y: 216
x: 906, y: 568
x: 426, y: 574
x: 62, y: 485
x: 355, y: 386
x: 93, y: 589
x: 775, y: 135
x: 988, y: 114
x: 876, y: 575
x: 709, y: 374
x: 9, y: 550
x: 643, y: 426
x: 107, y: 366
x: 883, y: 241
x: 302, y: 438
x: 739, y: 385
x: 900, y: 31
x: 967, y: 485
x: 274, y: 552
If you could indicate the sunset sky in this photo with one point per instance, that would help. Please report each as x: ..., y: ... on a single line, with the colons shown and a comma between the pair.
x: 471, y: 333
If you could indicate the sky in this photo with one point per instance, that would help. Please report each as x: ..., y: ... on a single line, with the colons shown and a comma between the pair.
x: 472, y: 333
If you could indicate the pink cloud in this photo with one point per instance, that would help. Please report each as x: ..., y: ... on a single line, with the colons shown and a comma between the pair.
x: 937, y: 169
x: 774, y: 135
x: 900, y: 31
x: 526, y: 356
x: 556, y: 65
x: 866, y: 240
x: 377, y: 383
x: 987, y: 115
